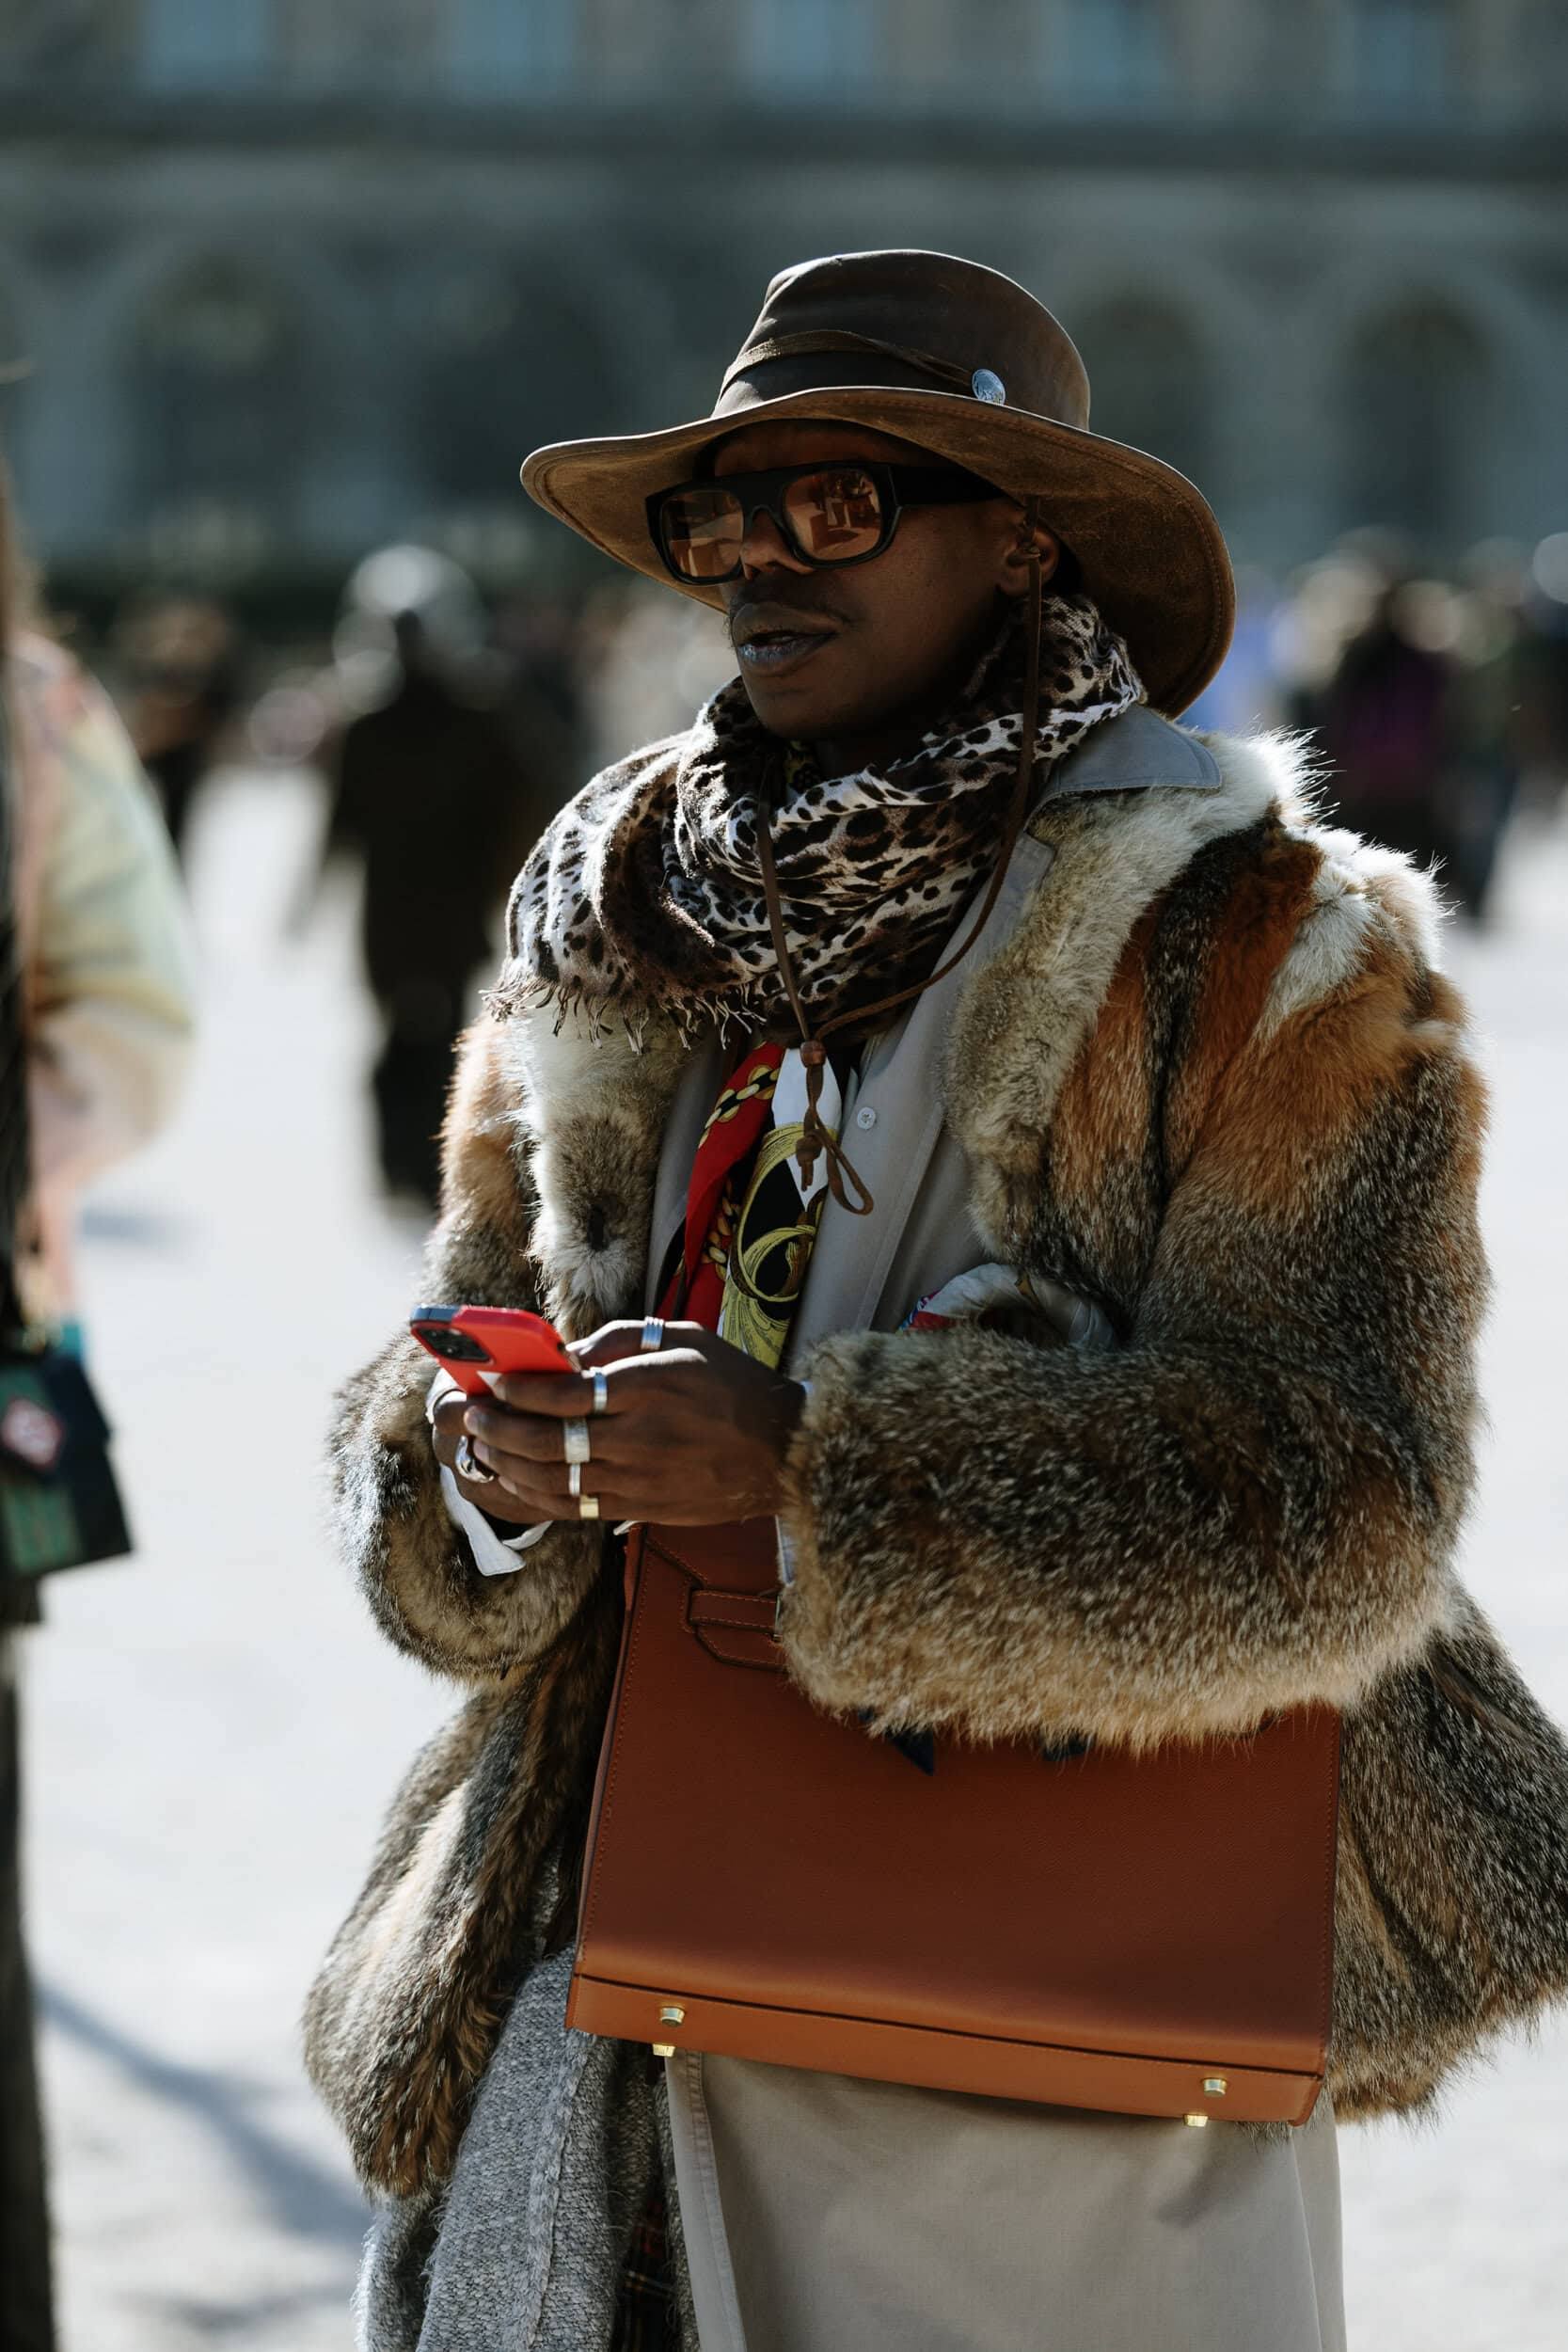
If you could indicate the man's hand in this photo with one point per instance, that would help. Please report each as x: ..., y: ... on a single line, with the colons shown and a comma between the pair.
x: 691, y: 1436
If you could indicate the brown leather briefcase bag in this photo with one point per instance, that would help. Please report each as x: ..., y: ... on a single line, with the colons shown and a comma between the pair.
x: 1149, y: 1934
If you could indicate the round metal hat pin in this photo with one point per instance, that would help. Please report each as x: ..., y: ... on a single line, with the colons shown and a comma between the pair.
x: 987, y: 385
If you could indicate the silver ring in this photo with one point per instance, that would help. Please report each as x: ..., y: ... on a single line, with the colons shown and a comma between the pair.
x: 575, y: 1438
x: 573, y: 1480
x: 601, y: 1390
x: 588, y: 1506
x: 653, y: 1335
x: 468, y: 1468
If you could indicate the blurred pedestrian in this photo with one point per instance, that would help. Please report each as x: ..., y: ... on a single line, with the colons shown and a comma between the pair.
x: 1387, y: 720
x: 431, y: 795
x: 181, y: 658
x: 1489, y: 726
x: 538, y: 643
x: 95, y: 1029
x: 1543, y: 717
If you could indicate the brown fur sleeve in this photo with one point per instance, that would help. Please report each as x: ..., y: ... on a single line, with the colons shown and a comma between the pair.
x: 1254, y: 1502
x: 416, y: 1567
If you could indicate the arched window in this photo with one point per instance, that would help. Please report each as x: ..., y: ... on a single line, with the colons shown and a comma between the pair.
x: 1416, y: 410
x: 505, y: 48
x: 15, y: 365
x: 1003, y: 42
x: 361, y: 44
x: 829, y: 47
x: 194, y: 44
x: 1400, y: 57
x: 11, y: 353
x: 1115, y: 52
x: 1150, y: 383
x: 60, y: 40
x: 507, y: 365
x: 220, y: 405
x: 1544, y: 56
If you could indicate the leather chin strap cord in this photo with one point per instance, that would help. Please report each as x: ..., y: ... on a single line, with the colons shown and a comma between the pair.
x: 818, y: 1139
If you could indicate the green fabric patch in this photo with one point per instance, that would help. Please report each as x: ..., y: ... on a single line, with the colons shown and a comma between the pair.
x: 38, y: 1526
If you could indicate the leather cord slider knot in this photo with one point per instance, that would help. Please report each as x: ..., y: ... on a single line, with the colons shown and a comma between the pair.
x: 818, y: 1139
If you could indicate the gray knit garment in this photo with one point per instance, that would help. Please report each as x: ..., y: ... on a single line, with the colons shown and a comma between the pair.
x: 522, y: 2252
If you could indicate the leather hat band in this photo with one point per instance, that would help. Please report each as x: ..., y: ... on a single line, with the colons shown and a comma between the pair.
x: 843, y: 339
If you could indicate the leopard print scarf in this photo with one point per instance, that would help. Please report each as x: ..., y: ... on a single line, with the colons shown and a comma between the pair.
x: 644, y: 897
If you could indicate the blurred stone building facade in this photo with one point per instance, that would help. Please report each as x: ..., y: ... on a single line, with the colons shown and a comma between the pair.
x: 294, y: 275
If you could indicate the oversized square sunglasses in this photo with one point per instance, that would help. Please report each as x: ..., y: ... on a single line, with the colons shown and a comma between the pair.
x: 842, y: 514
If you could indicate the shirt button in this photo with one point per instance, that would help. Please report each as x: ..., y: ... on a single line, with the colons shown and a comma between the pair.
x: 866, y: 1117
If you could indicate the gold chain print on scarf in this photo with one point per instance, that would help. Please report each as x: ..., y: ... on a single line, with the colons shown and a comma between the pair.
x: 772, y: 1239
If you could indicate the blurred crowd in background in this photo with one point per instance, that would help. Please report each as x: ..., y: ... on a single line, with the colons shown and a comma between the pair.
x: 448, y: 726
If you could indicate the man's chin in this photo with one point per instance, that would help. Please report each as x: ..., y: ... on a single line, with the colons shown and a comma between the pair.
x: 796, y: 715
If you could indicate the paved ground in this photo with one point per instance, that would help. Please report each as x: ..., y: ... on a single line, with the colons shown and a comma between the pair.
x: 214, y: 1729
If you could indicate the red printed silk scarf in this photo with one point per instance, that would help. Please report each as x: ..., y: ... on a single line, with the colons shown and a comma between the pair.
x: 750, y: 1229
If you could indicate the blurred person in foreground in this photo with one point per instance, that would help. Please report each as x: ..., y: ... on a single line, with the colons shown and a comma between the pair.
x: 430, y: 794
x: 97, y: 1011
x: 1113, y: 1379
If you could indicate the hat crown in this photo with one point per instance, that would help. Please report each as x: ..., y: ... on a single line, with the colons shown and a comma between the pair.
x: 911, y: 320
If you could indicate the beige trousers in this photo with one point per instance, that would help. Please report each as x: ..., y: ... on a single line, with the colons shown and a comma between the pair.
x: 821, y: 2214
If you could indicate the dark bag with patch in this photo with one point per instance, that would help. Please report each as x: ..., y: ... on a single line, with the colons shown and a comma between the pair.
x: 59, y: 1504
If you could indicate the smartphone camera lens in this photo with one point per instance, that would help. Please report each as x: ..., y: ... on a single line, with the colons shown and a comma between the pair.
x: 459, y: 1347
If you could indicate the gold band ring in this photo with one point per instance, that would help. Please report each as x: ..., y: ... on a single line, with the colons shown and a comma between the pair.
x: 588, y: 1506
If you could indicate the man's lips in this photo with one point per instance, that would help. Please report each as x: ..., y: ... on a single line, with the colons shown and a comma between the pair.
x: 783, y: 650
x: 778, y: 644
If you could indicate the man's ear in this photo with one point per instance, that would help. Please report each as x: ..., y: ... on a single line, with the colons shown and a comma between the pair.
x: 1015, y: 564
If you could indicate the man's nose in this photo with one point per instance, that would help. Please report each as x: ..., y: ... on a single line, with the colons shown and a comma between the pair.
x: 764, y: 548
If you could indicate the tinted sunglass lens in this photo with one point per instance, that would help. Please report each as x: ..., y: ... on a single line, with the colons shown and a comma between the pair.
x: 835, y: 515
x: 703, y: 530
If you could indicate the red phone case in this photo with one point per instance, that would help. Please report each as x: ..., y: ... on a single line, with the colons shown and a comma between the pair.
x: 513, y: 1341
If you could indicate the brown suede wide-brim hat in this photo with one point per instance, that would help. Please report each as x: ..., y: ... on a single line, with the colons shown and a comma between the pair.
x: 966, y: 363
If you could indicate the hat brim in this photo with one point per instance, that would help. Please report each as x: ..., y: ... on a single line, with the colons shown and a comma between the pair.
x: 1149, y: 547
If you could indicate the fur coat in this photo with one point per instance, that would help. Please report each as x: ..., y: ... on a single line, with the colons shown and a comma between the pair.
x: 1214, y: 1081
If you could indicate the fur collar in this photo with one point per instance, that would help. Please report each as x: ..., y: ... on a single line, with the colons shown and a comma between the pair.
x: 599, y: 1109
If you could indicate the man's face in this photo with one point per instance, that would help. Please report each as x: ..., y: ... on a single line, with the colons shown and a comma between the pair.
x: 864, y: 655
